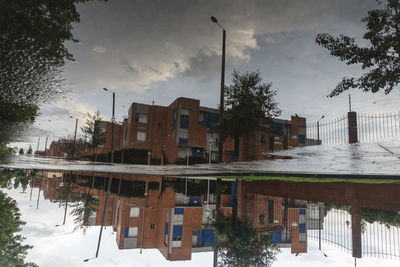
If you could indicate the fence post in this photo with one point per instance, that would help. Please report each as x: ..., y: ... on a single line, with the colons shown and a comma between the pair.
x: 352, y: 118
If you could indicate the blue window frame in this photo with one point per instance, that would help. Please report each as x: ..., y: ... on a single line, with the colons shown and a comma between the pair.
x: 183, y: 141
x: 177, y: 231
x: 194, y: 201
x: 302, y: 228
x: 197, y: 151
x: 166, y: 228
x: 126, y: 234
x: 178, y: 210
x: 184, y: 122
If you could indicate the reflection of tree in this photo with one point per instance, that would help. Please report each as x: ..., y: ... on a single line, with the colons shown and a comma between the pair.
x: 83, y: 210
x: 239, y: 244
x: 386, y: 217
x: 12, y: 252
x: 20, y: 177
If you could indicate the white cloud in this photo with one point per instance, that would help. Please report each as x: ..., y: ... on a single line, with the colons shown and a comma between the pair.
x: 99, y: 49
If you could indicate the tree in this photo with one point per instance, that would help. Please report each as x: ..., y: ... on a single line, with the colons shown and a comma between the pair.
x: 12, y: 251
x: 21, y: 151
x: 239, y: 244
x: 94, y: 131
x: 248, y: 102
x: 32, y: 56
x: 380, y: 58
x: 29, y: 151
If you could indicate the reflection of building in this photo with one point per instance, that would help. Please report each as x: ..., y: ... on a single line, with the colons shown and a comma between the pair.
x: 284, y: 220
x: 166, y: 220
x: 154, y: 212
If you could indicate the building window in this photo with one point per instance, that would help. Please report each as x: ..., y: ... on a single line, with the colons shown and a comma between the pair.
x: 183, y: 141
x: 166, y: 233
x: 141, y: 136
x: 179, y: 210
x: 270, y: 211
x: 261, y: 219
x: 142, y: 118
x: 184, y: 119
x: 134, y: 213
x: 152, y: 226
x: 160, y: 125
x: 177, y: 233
x: 131, y: 231
x: 262, y: 139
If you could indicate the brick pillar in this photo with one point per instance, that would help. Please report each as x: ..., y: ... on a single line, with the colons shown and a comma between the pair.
x: 352, y: 118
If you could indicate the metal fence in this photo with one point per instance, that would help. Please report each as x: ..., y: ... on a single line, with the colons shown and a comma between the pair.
x: 370, y: 128
x: 328, y: 132
x: 375, y: 127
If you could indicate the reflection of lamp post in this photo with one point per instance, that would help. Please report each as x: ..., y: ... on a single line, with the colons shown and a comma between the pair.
x: 222, y: 93
x: 109, y: 179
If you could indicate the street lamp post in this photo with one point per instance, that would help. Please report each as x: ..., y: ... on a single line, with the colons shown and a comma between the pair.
x: 323, y: 116
x: 222, y: 93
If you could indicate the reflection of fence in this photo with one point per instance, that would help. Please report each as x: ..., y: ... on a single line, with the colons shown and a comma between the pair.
x: 377, y: 240
x: 367, y: 128
x: 335, y: 230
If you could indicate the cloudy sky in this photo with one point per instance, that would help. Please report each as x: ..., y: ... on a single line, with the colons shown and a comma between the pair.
x: 161, y: 50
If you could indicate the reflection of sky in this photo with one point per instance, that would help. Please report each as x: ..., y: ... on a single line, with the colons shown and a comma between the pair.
x: 60, y: 246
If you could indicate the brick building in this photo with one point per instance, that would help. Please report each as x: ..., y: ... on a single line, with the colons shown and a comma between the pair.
x: 64, y: 148
x: 186, y: 129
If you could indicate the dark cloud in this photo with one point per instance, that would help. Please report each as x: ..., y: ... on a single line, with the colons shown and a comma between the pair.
x: 129, y: 68
x: 203, y: 65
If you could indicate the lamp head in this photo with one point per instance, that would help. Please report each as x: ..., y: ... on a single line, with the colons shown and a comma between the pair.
x: 214, y: 19
x: 105, y: 89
